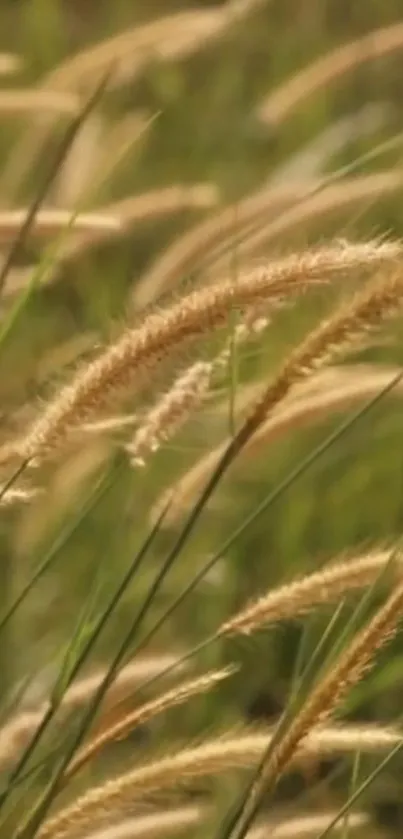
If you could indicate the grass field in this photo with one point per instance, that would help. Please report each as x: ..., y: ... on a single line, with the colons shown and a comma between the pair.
x: 201, y: 280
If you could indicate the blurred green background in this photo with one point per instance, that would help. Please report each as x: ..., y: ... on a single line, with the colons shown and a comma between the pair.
x: 203, y: 127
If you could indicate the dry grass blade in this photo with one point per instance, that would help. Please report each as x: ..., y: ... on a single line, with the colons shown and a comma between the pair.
x: 139, y: 350
x: 209, y: 758
x: 161, y: 202
x: 121, y: 136
x: 38, y: 101
x: 176, y: 696
x: 278, y: 106
x: 299, y: 596
x: 49, y: 223
x: 76, y: 175
x: 17, y: 732
x: 165, y: 823
x: 150, y: 206
x: 327, y: 392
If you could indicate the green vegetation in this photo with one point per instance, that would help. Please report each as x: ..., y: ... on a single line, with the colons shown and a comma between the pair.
x: 108, y: 164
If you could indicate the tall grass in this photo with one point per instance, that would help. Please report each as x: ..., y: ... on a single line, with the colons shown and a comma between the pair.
x: 200, y: 438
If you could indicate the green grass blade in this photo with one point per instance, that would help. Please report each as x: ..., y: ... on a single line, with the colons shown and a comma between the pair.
x: 103, y: 484
x: 40, y: 810
x: 361, y: 789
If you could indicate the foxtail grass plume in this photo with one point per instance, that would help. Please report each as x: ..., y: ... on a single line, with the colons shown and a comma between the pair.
x: 16, y: 733
x: 293, y: 599
x: 174, y: 408
x: 381, y: 298
x: 212, y: 757
x: 139, y: 716
x: 141, y: 349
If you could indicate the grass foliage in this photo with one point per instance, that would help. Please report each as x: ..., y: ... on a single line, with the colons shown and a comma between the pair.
x: 201, y: 467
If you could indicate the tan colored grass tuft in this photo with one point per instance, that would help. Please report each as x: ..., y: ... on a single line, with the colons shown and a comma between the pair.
x: 139, y: 350
x: 328, y: 391
x: 153, y: 824
x: 321, y: 72
x: 210, y: 758
x: 17, y: 732
x: 176, y: 696
x: 300, y: 596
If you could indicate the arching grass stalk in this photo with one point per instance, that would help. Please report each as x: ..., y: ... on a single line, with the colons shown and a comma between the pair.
x: 366, y: 310
x: 270, y: 499
x: 273, y: 496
